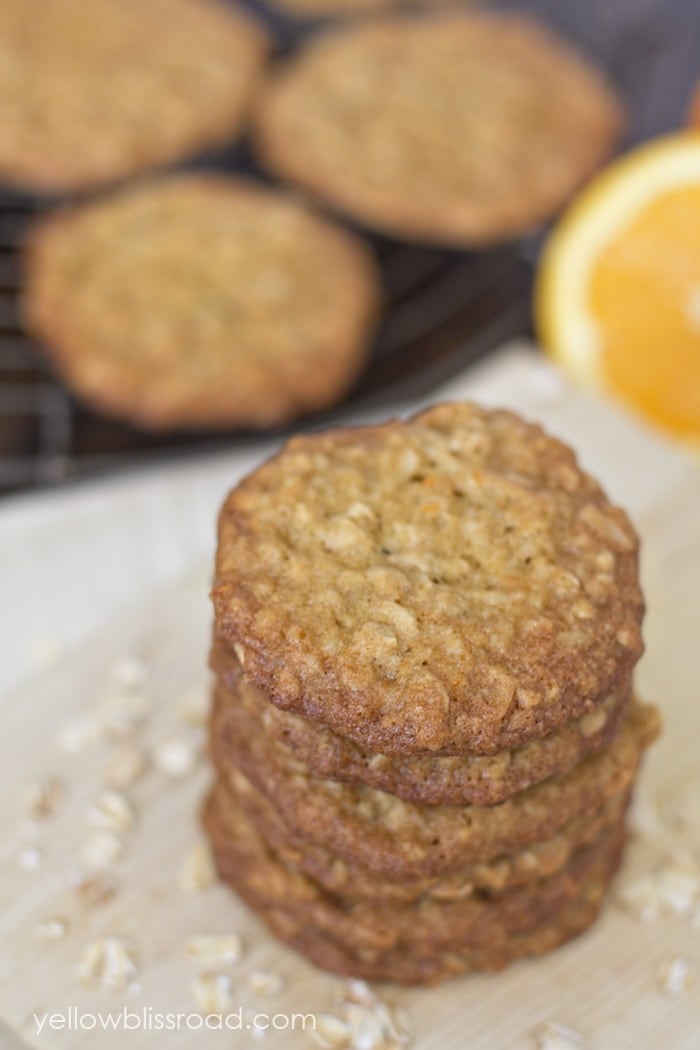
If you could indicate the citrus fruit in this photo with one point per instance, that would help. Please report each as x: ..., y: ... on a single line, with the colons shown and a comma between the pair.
x: 617, y: 298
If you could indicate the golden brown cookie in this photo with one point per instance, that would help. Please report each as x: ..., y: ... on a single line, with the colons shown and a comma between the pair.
x: 460, y: 128
x: 453, y: 584
x: 93, y: 90
x: 345, y: 879
x: 424, y: 926
x: 482, y: 780
x: 404, y: 841
x: 402, y: 967
x: 201, y: 301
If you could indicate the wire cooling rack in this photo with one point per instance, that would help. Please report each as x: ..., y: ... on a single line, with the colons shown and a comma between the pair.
x: 443, y: 309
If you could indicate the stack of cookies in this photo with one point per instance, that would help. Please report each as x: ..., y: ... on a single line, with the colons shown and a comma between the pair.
x: 424, y: 726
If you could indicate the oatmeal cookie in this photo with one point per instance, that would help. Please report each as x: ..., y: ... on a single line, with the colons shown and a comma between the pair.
x: 402, y: 967
x: 459, y: 128
x: 453, y: 584
x: 201, y: 301
x: 423, y: 926
x: 345, y: 879
x: 401, y: 840
x: 94, y: 90
x: 481, y: 780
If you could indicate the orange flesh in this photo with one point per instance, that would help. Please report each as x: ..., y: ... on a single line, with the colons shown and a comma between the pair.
x: 645, y: 297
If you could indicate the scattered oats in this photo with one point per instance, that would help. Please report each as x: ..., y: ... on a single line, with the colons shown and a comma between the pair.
x: 356, y: 991
x: 101, y: 849
x: 44, y: 796
x: 553, y: 1036
x: 30, y: 858
x: 261, y: 983
x: 177, y: 754
x: 50, y: 929
x: 673, y: 888
x: 123, y: 714
x: 107, y: 962
x: 677, y: 975
x: 370, y: 1021
x: 81, y: 733
x: 373, y: 1029
x: 256, y: 1031
x: 644, y: 816
x: 95, y: 891
x: 194, y: 709
x: 641, y: 898
x: 679, y: 879
x: 330, y: 1031
x: 126, y: 766
x: 113, y: 812
x: 130, y: 673
x: 198, y: 871
x: 214, y: 949
x: 213, y: 993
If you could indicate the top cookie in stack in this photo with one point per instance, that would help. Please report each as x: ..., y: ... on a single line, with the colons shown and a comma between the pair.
x: 415, y: 622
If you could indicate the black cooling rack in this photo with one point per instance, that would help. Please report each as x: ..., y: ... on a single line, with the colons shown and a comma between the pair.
x: 443, y: 309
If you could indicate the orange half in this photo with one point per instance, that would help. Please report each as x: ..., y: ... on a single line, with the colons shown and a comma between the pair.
x: 617, y: 299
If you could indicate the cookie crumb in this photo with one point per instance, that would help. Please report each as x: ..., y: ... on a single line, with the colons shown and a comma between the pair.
x: 94, y: 891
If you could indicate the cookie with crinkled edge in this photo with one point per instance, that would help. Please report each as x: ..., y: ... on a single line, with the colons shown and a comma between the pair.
x: 201, y: 302
x: 454, y: 583
x: 401, y: 967
x: 482, y: 780
x: 401, y: 840
x: 422, y: 927
x: 345, y: 879
x: 94, y: 90
x: 459, y: 128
